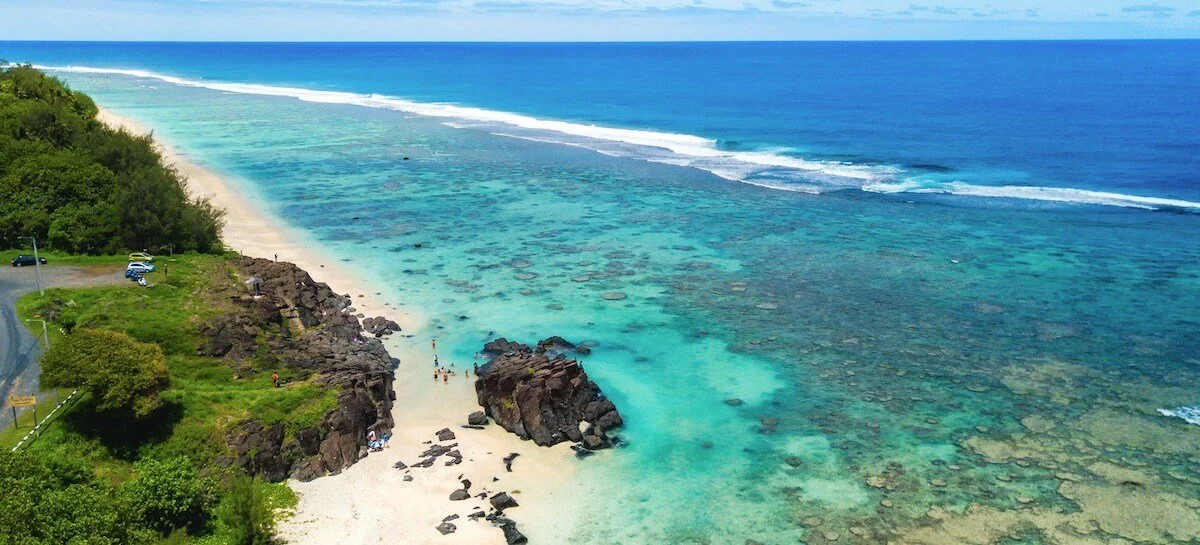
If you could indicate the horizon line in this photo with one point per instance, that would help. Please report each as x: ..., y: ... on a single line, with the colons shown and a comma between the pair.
x: 532, y: 42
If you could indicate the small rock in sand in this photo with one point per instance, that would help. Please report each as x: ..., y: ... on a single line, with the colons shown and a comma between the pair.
x: 446, y: 528
x: 508, y: 461
x: 459, y: 495
x: 445, y: 435
x: 502, y: 501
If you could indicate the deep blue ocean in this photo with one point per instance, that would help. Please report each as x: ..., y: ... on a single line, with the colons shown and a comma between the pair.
x: 1120, y: 116
x: 955, y: 286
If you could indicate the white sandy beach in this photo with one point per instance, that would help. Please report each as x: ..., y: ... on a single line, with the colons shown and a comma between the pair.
x: 370, y: 502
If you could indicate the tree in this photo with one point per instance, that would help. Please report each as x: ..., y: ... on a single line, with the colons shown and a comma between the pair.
x: 169, y: 494
x: 81, y: 186
x: 119, y: 371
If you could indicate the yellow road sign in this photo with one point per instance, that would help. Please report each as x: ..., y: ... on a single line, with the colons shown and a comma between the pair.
x: 22, y: 401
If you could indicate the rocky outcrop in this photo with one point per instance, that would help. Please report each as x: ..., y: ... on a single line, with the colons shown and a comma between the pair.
x: 543, y: 396
x: 302, y: 326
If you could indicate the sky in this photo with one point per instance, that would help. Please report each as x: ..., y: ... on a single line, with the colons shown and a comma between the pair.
x: 594, y: 20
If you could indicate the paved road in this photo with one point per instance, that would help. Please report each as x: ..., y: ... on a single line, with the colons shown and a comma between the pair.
x: 19, y: 349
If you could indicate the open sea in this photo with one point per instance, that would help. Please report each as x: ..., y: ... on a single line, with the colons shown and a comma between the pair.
x: 955, y: 286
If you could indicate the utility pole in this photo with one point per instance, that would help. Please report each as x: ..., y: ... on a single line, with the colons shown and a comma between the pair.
x: 37, y: 266
x: 46, y: 338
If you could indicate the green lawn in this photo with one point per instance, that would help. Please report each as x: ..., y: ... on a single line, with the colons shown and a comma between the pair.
x: 60, y: 258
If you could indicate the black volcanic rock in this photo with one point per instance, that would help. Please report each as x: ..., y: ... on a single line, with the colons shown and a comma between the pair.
x: 301, y: 325
x: 543, y: 399
x: 502, y: 501
x: 502, y: 346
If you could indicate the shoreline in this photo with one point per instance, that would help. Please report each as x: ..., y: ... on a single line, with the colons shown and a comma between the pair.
x: 370, y: 502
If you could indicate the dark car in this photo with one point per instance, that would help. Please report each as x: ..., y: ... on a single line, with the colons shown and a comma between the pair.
x: 24, y: 259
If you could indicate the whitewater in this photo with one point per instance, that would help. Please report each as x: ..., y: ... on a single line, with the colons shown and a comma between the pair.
x: 768, y: 169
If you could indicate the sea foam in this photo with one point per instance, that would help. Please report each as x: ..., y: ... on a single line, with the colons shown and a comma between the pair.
x: 773, y: 169
x: 1189, y: 414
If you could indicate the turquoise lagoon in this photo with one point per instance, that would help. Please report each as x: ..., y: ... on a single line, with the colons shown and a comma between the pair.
x: 913, y: 368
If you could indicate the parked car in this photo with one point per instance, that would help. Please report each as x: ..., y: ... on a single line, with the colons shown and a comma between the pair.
x: 26, y: 259
x: 138, y: 267
x: 139, y: 256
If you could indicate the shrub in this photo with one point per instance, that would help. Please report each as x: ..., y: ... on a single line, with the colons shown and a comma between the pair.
x: 169, y: 495
x: 246, y: 513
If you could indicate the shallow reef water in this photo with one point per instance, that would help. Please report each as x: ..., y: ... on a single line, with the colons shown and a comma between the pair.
x: 910, y: 369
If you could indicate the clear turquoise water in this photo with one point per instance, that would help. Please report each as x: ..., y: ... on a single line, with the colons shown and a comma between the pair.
x: 888, y: 334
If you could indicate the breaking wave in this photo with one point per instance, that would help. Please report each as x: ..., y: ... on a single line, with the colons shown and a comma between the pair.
x: 1189, y: 414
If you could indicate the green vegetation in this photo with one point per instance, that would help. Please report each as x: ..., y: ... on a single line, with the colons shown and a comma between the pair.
x: 117, y: 370
x: 137, y: 457
x: 163, y: 470
x: 170, y: 494
x: 82, y: 187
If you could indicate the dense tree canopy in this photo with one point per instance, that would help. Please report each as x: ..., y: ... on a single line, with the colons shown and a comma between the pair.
x: 83, y: 187
x: 119, y: 371
x: 55, y: 501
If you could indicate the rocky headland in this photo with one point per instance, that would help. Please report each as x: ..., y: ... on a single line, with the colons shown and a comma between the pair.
x: 281, y: 318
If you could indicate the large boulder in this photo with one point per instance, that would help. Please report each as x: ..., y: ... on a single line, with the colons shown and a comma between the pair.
x: 542, y: 398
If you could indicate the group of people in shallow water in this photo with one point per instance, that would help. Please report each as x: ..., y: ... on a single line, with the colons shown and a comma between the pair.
x: 444, y: 373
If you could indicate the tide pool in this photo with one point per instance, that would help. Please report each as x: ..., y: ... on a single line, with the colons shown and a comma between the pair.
x: 907, y: 365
